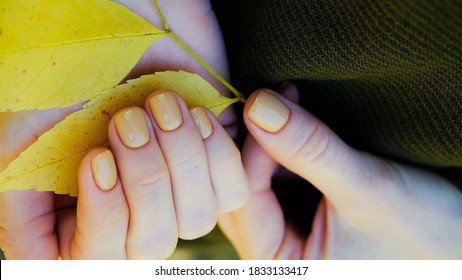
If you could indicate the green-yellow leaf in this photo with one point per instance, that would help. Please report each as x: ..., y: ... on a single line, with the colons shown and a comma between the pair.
x: 54, y: 53
x: 51, y: 163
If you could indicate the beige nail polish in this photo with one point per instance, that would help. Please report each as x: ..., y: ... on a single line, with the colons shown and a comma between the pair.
x: 166, y: 111
x: 104, y: 170
x: 202, y: 121
x: 268, y: 112
x: 132, y: 127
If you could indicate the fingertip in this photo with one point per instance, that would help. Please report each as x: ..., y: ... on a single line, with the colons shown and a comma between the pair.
x: 167, y: 108
x: 202, y: 121
x: 104, y: 170
x: 148, y: 101
x: 197, y: 223
x: 98, y: 171
x: 132, y: 127
x: 267, y: 110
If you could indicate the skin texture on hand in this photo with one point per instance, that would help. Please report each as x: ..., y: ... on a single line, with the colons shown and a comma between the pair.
x: 28, y: 219
x: 371, y: 208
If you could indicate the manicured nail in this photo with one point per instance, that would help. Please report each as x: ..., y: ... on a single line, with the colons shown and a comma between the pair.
x: 132, y: 127
x: 166, y: 111
x: 268, y: 112
x: 104, y: 170
x: 202, y: 121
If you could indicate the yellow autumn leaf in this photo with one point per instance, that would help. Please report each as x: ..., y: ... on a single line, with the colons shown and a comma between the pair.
x: 55, y: 53
x: 51, y: 163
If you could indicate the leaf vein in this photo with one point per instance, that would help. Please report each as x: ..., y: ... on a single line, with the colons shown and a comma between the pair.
x: 86, y: 40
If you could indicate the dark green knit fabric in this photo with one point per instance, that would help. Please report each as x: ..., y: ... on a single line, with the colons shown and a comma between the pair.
x: 385, y: 75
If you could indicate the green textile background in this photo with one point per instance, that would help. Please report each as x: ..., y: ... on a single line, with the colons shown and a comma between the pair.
x: 384, y: 75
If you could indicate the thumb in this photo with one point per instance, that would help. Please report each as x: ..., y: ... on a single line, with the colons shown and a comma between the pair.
x: 306, y: 146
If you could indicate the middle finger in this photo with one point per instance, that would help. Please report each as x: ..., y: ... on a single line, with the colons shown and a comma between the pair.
x: 152, y: 231
x: 185, y: 154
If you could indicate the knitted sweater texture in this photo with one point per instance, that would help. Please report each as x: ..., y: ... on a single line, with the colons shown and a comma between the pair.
x: 384, y: 75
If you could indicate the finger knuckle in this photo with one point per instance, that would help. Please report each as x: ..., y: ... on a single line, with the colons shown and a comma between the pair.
x: 160, y: 246
x: 199, y: 224
x: 312, y: 147
x: 151, y: 176
x: 189, y: 162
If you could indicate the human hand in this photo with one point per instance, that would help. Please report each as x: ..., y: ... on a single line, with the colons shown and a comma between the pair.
x: 164, y: 191
x: 27, y: 218
x: 371, y: 208
x: 173, y: 169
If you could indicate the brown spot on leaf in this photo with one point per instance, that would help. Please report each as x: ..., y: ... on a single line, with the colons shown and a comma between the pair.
x: 106, y: 113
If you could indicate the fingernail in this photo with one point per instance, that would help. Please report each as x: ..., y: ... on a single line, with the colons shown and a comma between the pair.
x: 104, y: 170
x: 202, y: 121
x: 268, y: 112
x: 132, y: 127
x: 166, y: 111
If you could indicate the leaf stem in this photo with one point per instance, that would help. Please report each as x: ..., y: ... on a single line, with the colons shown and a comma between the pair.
x: 162, y: 17
x: 204, y: 64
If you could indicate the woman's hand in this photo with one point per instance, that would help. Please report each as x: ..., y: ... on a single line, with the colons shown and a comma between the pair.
x: 29, y: 219
x: 371, y: 208
x: 168, y: 173
x: 173, y: 169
